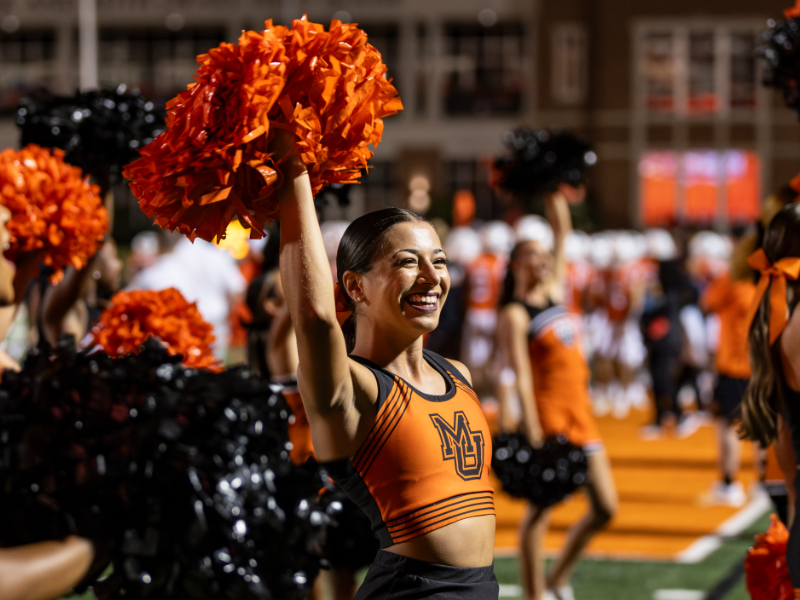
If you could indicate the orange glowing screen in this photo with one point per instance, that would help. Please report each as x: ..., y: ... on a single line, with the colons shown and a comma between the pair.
x: 658, y: 174
x: 742, y: 175
x: 693, y: 187
x: 701, y: 173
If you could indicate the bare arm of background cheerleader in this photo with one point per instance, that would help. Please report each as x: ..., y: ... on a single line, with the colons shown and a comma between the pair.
x: 557, y: 211
x: 513, y: 333
x: 60, y: 298
x: 786, y: 462
x: 338, y: 394
x: 45, y: 570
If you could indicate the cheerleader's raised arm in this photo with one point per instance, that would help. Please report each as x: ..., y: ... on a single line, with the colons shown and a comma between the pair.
x: 337, y: 392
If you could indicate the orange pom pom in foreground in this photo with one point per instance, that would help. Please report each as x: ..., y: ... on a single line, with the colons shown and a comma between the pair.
x: 212, y: 164
x: 53, y: 208
x: 765, y: 568
x: 134, y: 317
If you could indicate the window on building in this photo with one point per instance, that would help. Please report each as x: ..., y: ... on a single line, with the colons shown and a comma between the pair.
x: 696, y: 70
x: 702, y: 89
x: 421, y: 70
x: 569, y: 68
x: 483, y: 69
x: 743, y: 70
x: 385, y: 40
x: 699, y: 187
x: 27, y: 59
x: 380, y: 186
x: 159, y: 63
x: 659, y: 71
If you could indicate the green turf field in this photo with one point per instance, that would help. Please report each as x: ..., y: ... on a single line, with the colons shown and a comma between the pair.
x: 640, y: 580
x: 633, y: 580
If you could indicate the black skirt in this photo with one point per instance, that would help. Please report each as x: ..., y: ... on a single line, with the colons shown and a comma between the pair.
x: 395, y: 577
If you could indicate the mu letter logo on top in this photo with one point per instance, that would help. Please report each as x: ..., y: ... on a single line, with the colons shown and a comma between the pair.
x: 461, y: 445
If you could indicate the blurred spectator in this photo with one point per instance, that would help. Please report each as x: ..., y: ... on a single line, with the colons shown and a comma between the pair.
x: 144, y: 252
x: 484, y: 282
x: 663, y: 335
x: 730, y: 299
x: 619, y: 350
x: 203, y: 273
x: 462, y: 247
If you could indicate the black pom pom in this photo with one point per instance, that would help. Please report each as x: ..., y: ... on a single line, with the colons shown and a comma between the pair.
x: 780, y: 47
x: 100, y: 131
x: 181, y: 476
x: 350, y: 542
x: 545, y: 475
x: 540, y: 160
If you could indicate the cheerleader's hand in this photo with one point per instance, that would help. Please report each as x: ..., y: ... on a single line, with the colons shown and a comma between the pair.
x: 573, y: 194
x: 283, y: 147
x: 535, y: 435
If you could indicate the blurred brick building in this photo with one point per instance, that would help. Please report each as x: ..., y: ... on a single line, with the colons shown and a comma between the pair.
x: 667, y: 90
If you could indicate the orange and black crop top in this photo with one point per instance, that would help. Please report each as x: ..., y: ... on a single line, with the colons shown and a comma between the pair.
x: 425, y: 462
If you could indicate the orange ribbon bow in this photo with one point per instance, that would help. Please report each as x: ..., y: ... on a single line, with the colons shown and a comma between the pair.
x: 794, y: 12
x: 777, y: 274
x: 343, y: 310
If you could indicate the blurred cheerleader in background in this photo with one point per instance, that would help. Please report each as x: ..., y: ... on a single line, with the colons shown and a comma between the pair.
x: 541, y: 341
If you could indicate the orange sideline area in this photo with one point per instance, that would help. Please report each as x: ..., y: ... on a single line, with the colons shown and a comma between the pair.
x: 660, y: 484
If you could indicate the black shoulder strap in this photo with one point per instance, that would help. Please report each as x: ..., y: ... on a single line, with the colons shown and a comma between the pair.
x: 382, y: 376
x: 446, y: 366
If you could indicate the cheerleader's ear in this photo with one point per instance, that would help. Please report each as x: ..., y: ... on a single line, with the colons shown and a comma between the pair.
x: 353, y: 287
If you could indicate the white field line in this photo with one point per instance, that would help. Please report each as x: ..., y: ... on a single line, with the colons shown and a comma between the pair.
x: 510, y: 591
x: 705, y: 545
x: 678, y: 595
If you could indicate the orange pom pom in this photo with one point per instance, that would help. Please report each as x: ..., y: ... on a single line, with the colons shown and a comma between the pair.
x: 335, y: 98
x: 213, y: 164
x: 765, y: 568
x: 134, y: 317
x: 53, y: 208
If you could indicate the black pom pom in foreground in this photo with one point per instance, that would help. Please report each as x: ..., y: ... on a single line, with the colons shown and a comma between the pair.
x: 539, y: 161
x: 181, y: 477
x: 350, y: 542
x: 100, y: 131
x: 780, y: 47
x: 544, y: 476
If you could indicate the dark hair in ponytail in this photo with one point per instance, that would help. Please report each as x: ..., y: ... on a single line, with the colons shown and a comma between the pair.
x: 510, y: 282
x: 361, y: 244
x: 764, y: 396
